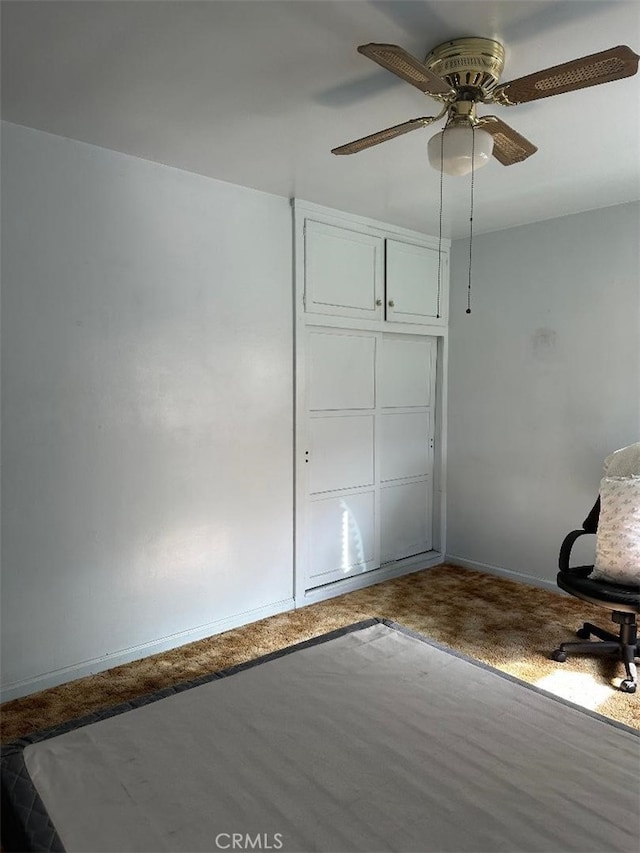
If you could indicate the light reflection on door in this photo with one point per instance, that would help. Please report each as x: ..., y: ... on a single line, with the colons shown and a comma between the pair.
x: 352, y: 554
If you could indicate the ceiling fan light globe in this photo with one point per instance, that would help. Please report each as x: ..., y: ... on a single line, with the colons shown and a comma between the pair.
x: 456, y: 144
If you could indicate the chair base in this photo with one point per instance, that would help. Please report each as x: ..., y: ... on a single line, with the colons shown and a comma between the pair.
x: 625, y: 646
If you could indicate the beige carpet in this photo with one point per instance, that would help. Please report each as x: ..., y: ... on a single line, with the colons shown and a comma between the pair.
x: 509, y: 625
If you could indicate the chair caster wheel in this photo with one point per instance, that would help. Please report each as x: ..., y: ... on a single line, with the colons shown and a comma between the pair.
x: 559, y: 655
x: 628, y: 686
x: 583, y: 634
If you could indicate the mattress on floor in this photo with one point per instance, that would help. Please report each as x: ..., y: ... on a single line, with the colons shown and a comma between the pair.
x: 370, y: 739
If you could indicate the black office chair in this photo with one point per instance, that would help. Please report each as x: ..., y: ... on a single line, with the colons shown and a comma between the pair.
x: 623, y: 601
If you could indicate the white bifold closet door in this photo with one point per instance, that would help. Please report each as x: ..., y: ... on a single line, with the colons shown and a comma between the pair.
x: 368, y: 439
x: 406, y: 391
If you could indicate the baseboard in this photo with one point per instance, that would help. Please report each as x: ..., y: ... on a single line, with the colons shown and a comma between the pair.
x: 384, y: 573
x: 16, y: 689
x: 28, y: 686
x: 520, y: 577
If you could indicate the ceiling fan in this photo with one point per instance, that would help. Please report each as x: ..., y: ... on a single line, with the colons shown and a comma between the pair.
x: 465, y: 72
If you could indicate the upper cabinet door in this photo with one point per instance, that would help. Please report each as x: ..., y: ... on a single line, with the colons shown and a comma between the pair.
x: 343, y: 272
x: 413, y: 292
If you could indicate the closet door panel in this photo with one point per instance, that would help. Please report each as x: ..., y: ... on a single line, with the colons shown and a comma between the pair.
x: 404, y: 445
x: 405, y: 520
x: 341, y: 371
x: 342, y: 536
x: 342, y: 452
x: 405, y: 372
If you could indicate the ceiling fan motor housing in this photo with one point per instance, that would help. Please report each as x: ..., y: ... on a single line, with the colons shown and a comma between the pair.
x: 471, y: 66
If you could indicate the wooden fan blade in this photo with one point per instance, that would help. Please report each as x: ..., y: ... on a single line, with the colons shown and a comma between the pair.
x: 399, y: 62
x: 381, y: 136
x: 509, y: 147
x: 603, y: 67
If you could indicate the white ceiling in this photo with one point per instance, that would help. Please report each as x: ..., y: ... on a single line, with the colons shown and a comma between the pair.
x: 257, y: 92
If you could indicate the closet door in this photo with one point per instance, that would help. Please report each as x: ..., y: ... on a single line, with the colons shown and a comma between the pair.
x: 344, y: 272
x: 368, y: 451
x: 406, y: 395
x: 341, y: 511
x: 413, y: 285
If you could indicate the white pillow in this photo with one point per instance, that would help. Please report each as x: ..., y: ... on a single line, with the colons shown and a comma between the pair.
x: 618, y: 538
x: 624, y: 462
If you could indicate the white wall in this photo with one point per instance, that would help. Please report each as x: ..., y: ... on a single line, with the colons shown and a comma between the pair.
x: 147, y: 407
x: 544, y: 382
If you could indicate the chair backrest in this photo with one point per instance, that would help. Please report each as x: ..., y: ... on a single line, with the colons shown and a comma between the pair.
x: 590, y: 524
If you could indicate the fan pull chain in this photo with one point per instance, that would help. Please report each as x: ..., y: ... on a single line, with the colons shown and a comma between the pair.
x: 440, y: 221
x: 473, y: 154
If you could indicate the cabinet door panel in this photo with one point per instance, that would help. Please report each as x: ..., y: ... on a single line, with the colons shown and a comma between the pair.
x: 412, y: 282
x: 343, y: 271
x: 405, y: 520
x: 341, y: 536
x: 405, y: 374
x: 404, y: 445
x: 342, y: 453
x: 341, y: 371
